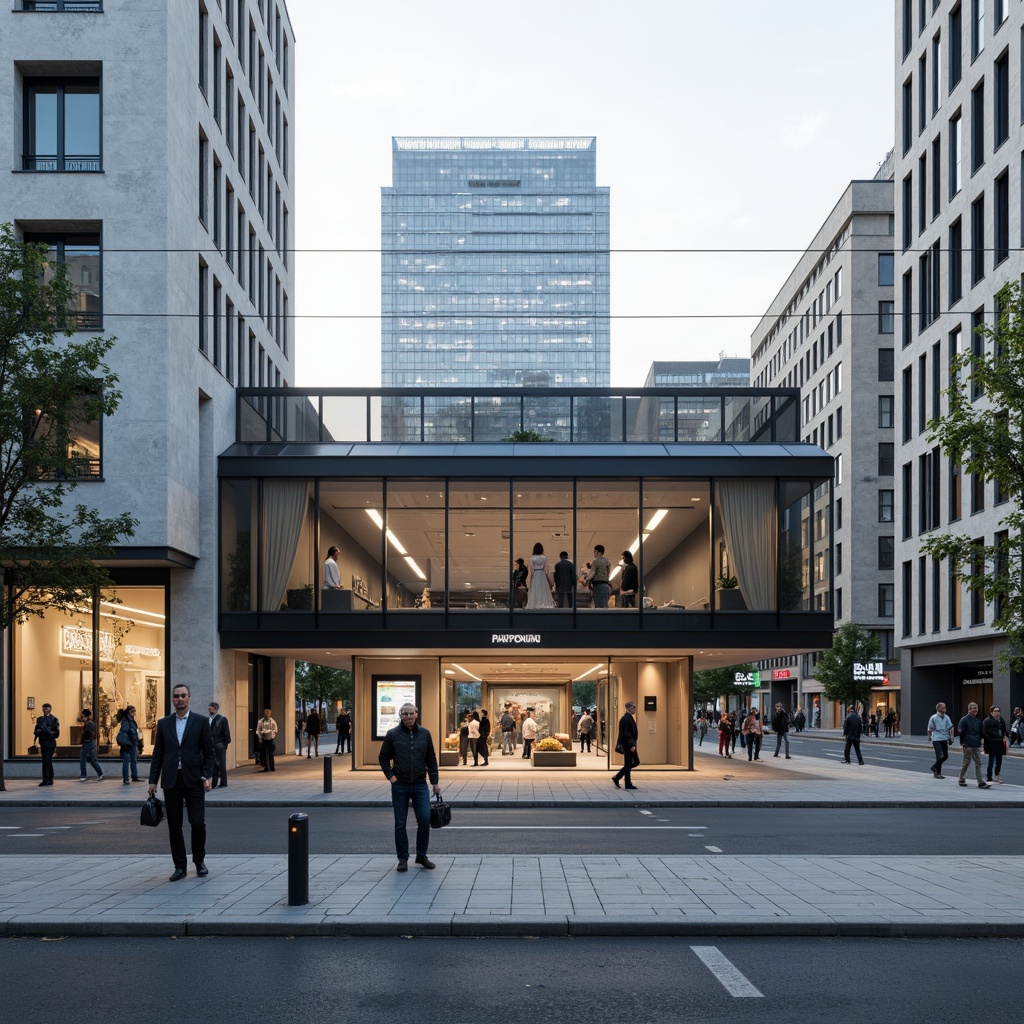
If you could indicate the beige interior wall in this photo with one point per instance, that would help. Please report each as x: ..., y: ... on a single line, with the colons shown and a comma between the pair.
x: 653, y: 726
x: 429, y: 671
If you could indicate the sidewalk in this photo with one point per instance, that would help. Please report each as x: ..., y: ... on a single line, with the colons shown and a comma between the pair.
x: 964, y: 896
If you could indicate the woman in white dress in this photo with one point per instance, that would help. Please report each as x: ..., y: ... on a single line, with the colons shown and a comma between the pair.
x: 540, y: 580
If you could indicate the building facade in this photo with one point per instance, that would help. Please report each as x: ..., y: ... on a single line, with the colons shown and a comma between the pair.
x: 959, y: 235
x: 150, y: 146
x: 495, y: 264
x: 829, y: 332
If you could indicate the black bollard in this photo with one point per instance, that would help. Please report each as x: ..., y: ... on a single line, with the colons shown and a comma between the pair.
x: 328, y: 778
x: 298, y: 860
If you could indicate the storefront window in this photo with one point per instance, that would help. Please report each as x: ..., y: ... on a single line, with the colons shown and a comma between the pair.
x: 676, y: 557
x: 287, y: 566
x: 745, y: 535
x: 238, y: 561
x: 795, y: 581
x: 52, y: 662
x: 542, y: 514
x: 607, y: 513
x: 415, y: 544
x: 350, y: 519
x: 480, y: 557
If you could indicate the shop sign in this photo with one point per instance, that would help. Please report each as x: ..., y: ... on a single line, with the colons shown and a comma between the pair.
x: 868, y: 671
x: 977, y: 674
x: 515, y: 638
x: 781, y: 673
x: 747, y: 678
x: 388, y: 697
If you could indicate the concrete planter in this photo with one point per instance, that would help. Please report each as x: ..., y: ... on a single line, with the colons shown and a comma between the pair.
x: 448, y: 759
x: 730, y: 600
x: 554, y: 759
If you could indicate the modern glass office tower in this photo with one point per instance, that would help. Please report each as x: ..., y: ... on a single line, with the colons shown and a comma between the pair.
x: 494, y: 271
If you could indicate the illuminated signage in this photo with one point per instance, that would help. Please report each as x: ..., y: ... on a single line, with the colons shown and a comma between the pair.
x: 868, y: 671
x: 388, y: 697
x: 747, y: 678
x: 76, y: 642
x: 515, y: 638
x: 781, y: 673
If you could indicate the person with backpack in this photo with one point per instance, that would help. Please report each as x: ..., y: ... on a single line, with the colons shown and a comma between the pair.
x: 780, y: 726
x: 128, y: 744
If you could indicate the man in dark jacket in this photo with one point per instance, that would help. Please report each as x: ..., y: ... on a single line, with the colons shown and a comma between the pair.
x: 46, y: 731
x: 628, y: 735
x: 508, y: 733
x: 780, y: 725
x: 313, y: 733
x: 565, y: 580
x: 220, y: 730
x: 407, y: 757
x: 852, y: 729
x: 969, y: 731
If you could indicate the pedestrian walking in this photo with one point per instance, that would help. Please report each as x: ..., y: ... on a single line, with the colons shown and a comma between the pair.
x: 344, y: 727
x: 969, y: 731
x: 724, y: 735
x: 853, y: 727
x: 780, y: 726
x: 889, y: 721
x: 702, y: 730
x: 128, y: 745
x: 46, y: 731
x: 313, y: 727
x: 585, y: 727
x: 484, y: 743
x: 799, y: 720
x: 994, y: 739
x: 940, y: 732
x: 464, y: 736
x: 300, y: 728
x: 183, y: 760
x: 266, y: 733
x: 752, y: 731
x: 473, y: 729
x: 407, y: 759
x: 220, y: 730
x: 529, y: 727
x: 508, y: 732
x: 1017, y: 727
x: 626, y: 745
x: 88, y: 754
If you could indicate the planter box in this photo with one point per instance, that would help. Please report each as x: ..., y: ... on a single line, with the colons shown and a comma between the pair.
x: 448, y: 759
x: 554, y: 759
x: 730, y: 600
x: 300, y: 599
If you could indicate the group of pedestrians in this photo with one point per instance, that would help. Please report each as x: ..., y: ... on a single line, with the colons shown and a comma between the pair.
x: 475, y: 736
x: 989, y: 734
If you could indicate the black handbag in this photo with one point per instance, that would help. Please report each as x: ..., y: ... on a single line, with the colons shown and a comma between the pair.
x: 152, y: 812
x: 33, y: 751
x: 440, y: 813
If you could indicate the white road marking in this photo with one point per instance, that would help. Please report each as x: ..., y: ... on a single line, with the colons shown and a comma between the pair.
x: 646, y: 812
x: 54, y: 828
x: 28, y: 835
x: 9, y: 826
x: 732, y: 979
x: 713, y: 849
x: 573, y: 828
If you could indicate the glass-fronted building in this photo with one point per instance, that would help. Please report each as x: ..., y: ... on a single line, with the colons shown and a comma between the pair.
x: 495, y: 264
x: 428, y: 532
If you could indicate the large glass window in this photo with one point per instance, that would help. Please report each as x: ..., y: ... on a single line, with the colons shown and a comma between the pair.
x: 542, y: 513
x: 351, y: 518
x: 53, y: 662
x: 607, y: 513
x: 81, y: 254
x: 675, y: 557
x: 62, y: 125
x: 795, y: 546
x: 415, y: 548
x: 480, y: 556
x: 287, y: 560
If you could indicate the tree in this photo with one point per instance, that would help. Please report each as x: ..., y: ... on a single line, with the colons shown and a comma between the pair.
x: 712, y: 683
x: 984, y: 438
x: 584, y: 693
x: 321, y: 684
x: 835, y: 666
x: 49, y: 389
x: 526, y: 435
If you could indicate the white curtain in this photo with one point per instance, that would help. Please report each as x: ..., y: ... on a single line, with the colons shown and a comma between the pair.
x: 749, y: 519
x: 284, y: 504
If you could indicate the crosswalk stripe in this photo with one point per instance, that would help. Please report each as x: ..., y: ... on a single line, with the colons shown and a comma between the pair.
x: 732, y: 979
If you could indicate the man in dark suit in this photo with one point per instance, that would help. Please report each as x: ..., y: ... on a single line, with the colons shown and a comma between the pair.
x: 565, y: 580
x: 220, y: 730
x: 184, y: 757
x: 47, y: 731
x: 628, y: 734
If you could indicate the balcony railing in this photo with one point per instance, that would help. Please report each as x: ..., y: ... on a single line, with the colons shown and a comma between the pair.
x: 38, y: 6
x: 61, y: 163
x: 573, y: 415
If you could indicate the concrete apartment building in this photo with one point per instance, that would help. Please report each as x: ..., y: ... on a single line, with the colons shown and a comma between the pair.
x: 959, y: 234
x: 150, y: 146
x: 829, y: 332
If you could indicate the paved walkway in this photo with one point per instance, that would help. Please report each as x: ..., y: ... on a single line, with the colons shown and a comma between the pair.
x: 970, y: 895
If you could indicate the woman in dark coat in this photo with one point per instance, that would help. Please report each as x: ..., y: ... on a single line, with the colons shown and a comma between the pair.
x: 630, y: 581
x: 993, y: 736
x: 483, y: 744
x: 724, y: 734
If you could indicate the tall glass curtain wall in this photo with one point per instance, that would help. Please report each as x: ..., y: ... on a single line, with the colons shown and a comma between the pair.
x: 53, y: 662
x: 436, y: 543
x: 495, y: 268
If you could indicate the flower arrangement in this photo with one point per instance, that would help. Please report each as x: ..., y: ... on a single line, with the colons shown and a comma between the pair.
x: 548, y: 743
x: 451, y: 741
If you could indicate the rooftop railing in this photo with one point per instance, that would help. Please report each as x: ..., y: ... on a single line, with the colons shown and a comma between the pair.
x: 567, y: 415
x: 58, y: 5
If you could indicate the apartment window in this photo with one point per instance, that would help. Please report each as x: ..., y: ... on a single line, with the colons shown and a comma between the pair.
x: 254, y: 170
x: 838, y: 561
x: 80, y: 253
x: 839, y: 470
x: 922, y: 192
x: 886, y: 552
x: 928, y: 284
x: 936, y: 177
x: 977, y: 348
x: 922, y: 93
x: 229, y: 348
x: 204, y: 311
x: 885, y: 600
x: 929, y: 497
x: 204, y: 185
x: 907, y: 499
x: 936, y: 588
x: 908, y: 407
x: 886, y: 265
x: 218, y: 182
x: 922, y: 392
x: 886, y: 506
x: 908, y: 304
x: 218, y: 340
x: 955, y: 492
x: 977, y: 126
x: 956, y: 262
x: 229, y: 224
x: 886, y: 364
x: 79, y: 454
x: 240, y: 269
x: 936, y: 380
x: 922, y: 582
x: 43, y: 6
x: 977, y: 27
x: 908, y: 26
x: 240, y: 154
x: 999, y: 12
x: 955, y: 600
x: 1001, y: 568
x: 977, y: 493
x: 839, y: 513
x: 839, y: 604
x: 62, y: 125
x: 886, y: 458
x: 218, y: 57
x: 886, y: 316
x: 886, y: 412
x: 978, y: 239
x: 252, y: 264
x: 204, y: 43
x: 936, y: 73
x: 908, y: 211
x: 955, y: 47
x: 977, y: 595
x: 1001, y: 218
x: 1001, y: 100
x: 956, y: 181
x: 908, y: 114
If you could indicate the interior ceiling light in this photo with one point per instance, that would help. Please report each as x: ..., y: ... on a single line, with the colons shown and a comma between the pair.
x: 395, y: 543
x: 648, y: 530
x: 589, y: 670
x: 464, y: 672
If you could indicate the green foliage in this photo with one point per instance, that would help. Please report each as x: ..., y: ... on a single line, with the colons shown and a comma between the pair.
x: 835, y: 666
x: 984, y: 437
x: 527, y: 435
x: 725, y: 582
x: 322, y: 685
x: 712, y: 683
x: 584, y: 693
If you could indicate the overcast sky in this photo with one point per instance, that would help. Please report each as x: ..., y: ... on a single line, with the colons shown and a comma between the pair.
x: 727, y: 125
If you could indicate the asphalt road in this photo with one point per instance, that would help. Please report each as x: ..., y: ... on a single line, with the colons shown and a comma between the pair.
x: 694, y: 831
x: 885, y: 756
x: 515, y: 981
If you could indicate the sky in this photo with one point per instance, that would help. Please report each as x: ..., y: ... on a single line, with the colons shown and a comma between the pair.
x: 726, y: 130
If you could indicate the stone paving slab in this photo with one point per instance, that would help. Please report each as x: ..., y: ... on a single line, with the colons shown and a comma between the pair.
x: 568, y: 895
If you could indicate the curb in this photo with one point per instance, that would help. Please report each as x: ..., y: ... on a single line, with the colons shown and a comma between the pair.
x: 512, y: 927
